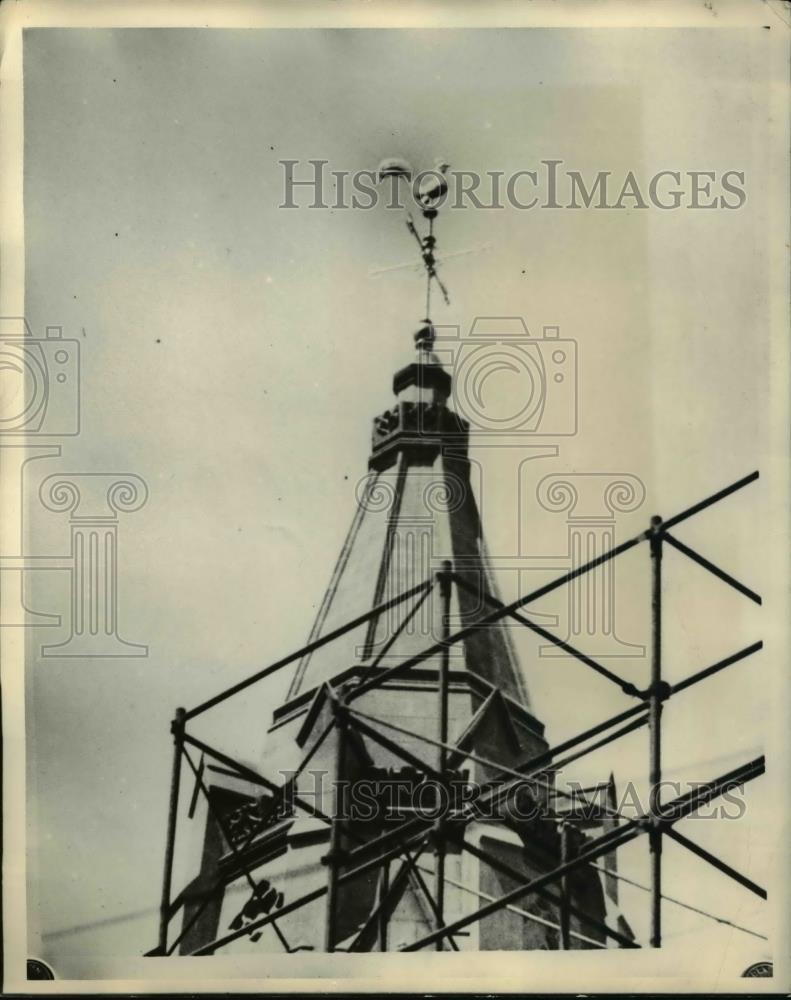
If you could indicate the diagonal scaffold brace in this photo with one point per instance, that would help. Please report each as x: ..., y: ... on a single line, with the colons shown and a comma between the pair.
x: 350, y: 855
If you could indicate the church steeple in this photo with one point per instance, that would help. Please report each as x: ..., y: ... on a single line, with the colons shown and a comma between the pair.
x: 416, y: 531
x: 416, y: 510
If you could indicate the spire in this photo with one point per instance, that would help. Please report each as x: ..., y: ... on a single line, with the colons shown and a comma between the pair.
x: 416, y: 508
x: 413, y: 571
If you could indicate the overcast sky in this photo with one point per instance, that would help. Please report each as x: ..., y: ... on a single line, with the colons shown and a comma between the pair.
x: 233, y: 355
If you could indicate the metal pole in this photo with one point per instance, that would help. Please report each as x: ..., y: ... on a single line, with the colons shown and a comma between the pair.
x: 444, y: 580
x: 655, y: 731
x: 428, y: 260
x: 494, y: 616
x: 565, y: 914
x: 333, y: 855
x: 311, y: 647
x: 585, y: 918
x: 595, y: 849
x: 177, y: 728
x: 384, y: 888
x: 717, y: 863
x: 347, y: 876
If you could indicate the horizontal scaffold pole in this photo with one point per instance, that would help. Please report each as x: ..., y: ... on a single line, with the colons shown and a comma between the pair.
x: 670, y: 522
x: 600, y: 846
x: 494, y: 788
x: 717, y: 863
x: 498, y: 613
x: 309, y: 897
x: 607, y: 842
x: 492, y: 618
x: 712, y: 568
x: 309, y: 648
x: 493, y: 861
x: 626, y: 686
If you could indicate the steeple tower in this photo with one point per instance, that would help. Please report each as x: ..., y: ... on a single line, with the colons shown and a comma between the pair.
x: 386, y: 705
x: 416, y: 510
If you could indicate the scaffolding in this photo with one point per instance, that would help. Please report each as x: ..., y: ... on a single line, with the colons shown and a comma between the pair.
x: 419, y: 833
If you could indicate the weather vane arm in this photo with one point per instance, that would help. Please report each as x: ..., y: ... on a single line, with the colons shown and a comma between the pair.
x: 442, y: 288
x: 432, y: 190
x: 410, y: 224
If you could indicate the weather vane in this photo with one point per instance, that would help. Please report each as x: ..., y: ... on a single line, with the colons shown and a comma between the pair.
x: 431, y: 190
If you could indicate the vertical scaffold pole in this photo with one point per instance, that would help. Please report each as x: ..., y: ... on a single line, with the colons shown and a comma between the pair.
x: 565, y: 888
x: 655, y: 731
x: 177, y: 728
x: 384, y: 888
x: 334, y: 854
x: 444, y: 581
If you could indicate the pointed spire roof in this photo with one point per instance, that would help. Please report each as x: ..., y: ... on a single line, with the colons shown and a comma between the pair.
x: 416, y: 508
